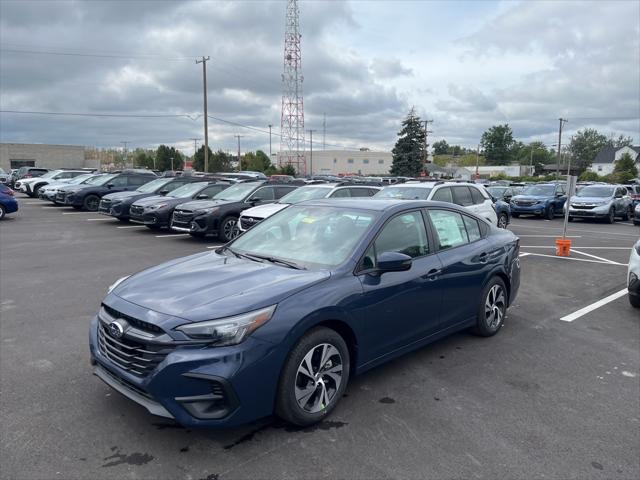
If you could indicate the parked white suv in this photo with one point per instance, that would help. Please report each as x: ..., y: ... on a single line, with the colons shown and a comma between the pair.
x: 30, y: 186
x: 633, y: 276
x: 473, y: 197
x: 253, y: 216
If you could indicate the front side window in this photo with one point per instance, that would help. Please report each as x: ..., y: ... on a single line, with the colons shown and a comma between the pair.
x: 477, y: 197
x: 263, y: 194
x: 137, y: 181
x: 404, y: 193
x: 406, y: 234
x: 449, y: 227
x: 342, y: 193
x: 212, y: 190
x: 119, y: 182
x: 187, y: 190
x: 443, y: 195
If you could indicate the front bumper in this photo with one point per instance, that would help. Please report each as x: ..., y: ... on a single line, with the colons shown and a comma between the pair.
x: 190, y: 382
x: 118, y: 210
x: 205, y: 224
x: 147, y: 218
x: 536, y: 209
x: 595, y: 212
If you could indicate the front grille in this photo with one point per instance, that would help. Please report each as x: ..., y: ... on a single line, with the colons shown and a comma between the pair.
x: 127, y: 384
x: 524, y: 203
x: 60, y: 196
x: 139, y: 324
x: 583, y: 207
x: 105, y: 204
x: 136, y: 210
x: 247, y: 222
x: 182, y: 218
x: 135, y: 357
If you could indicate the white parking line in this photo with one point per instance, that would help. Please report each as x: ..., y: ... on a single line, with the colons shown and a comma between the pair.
x: 589, y: 308
x: 78, y: 213
x: 33, y: 203
x: 578, y: 259
x: 550, y: 236
x: 573, y: 229
x: 592, y: 256
x: 581, y: 248
x: 173, y: 235
x: 133, y: 226
x: 524, y: 254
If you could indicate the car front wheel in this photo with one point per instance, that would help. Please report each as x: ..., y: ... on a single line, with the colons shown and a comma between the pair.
x: 611, y: 217
x: 228, y: 229
x: 91, y: 203
x: 551, y: 213
x: 314, y: 377
x: 2, y: 212
x: 492, y: 309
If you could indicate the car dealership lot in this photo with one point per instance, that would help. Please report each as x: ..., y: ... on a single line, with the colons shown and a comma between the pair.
x: 543, y: 398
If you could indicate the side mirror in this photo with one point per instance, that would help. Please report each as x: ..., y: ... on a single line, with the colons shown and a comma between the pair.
x: 393, y: 262
x: 109, y: 185
x: 202, y: 196
x: 163, y: 192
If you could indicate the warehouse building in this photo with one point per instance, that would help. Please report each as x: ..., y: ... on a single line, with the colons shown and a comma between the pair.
x: 359, y: 162
x: 16, y: 155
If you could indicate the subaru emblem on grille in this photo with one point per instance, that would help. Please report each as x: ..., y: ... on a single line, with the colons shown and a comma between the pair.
x: 116, y: 329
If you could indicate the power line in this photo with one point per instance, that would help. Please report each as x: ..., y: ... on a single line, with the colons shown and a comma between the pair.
x: 96, y: 55
x: 116, y: 115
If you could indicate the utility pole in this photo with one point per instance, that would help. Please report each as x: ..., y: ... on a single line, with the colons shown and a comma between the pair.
x: 324, y: 131
x: 426, y: 134
x: 311, y: 151
x: 270, y: 141
x: 195, y: 144
x: 478, y: 162
x: 206, y: 123
x: 124, y: 151
x: 562, y: 121
x: 239, y: 163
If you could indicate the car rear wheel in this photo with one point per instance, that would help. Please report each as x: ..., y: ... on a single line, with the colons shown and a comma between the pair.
x: 2, y: 212
x: 503, y: 220
x: 493, y: 308
x: 91, y: 203
x: 634, y: 301
x: 551, y: 212
x: 228, y: 229
x: 314, y: 377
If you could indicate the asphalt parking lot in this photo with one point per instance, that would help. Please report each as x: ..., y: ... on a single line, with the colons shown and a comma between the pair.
x: 545, y: 398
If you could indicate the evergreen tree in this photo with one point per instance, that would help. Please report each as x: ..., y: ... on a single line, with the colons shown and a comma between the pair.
x: 497, y: 143
x: 164, y: 155
x: 408, y: 153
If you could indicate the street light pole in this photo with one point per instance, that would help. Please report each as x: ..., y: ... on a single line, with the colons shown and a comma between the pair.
x: 562, y: 121
x: 270, y: 141
x: 206, y: 125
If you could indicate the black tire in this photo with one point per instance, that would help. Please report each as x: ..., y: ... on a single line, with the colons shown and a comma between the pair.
x: 487, y: 324
x: 503, y: 220
x: 570, y: 218
x: 515, y: 215
x: 2, y: 212
x: 155, y: 228
x: 626, y: 215
x: 123, y: 219
x: 611, y: 217
x: 91, y: 203
x: 287, y: 406
x: 634, y: 301
x: 76, y: 207
x: 228, y: 229
x: 34, y: 190
x: 551, y: 212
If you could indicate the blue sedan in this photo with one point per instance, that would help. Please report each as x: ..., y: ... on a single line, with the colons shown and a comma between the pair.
x: 8, y: 203
x: 279, y: 319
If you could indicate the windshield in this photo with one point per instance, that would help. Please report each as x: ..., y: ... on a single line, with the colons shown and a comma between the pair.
x: 307, y: 235
x: 79, y: 179
x: 236, y: 193
x: 103, y: 180
x: 497, y: 191
x: 539, y: 190
x: 596, y: 191
x: 153, y: 185
x: 187, y: 190
x: 305, y: 193
x: 93, y: 180
x: 404, y: 193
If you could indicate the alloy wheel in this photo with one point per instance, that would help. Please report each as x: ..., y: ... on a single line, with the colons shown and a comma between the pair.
x: 230, y: 228
x: 494, y: 307
x: 318, y: 378
x: 502, y: 221
x: 93, y: 203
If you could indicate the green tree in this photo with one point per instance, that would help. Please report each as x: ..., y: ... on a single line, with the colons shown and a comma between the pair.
x: 287, y: 170
x: 441, y: 148
x: 621, y: 141
x: 584, y: 146
x: 257, y: 162
x: 589, y: 176
x: 164, y: 154
x: 625, y: 169
x: 198, y: 159
x: 263, y: 160
x: 497, y: 143
x: 143, y: 158
x: 408, y: 153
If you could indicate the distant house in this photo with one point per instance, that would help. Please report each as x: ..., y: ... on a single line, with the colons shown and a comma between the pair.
x: 608, y: 156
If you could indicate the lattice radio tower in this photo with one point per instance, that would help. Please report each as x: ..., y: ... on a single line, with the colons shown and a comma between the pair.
x: 292, y: 142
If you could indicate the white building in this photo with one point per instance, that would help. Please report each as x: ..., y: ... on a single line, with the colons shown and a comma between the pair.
x: 361, y: 162
x: 488, y: 171
x: 607, y: 157
x: 16, y: 155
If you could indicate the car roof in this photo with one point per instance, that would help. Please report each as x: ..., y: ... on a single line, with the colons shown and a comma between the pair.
x: 380, y: 204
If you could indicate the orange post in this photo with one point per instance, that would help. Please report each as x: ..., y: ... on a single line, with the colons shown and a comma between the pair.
x: 563, y: 247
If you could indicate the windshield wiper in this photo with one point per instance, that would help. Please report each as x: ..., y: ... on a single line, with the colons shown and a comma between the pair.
x: 241, y: 255
x: 286, y: 263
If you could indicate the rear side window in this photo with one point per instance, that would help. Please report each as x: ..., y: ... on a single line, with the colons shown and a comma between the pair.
x: 212, y: 190
x: 118, y: 182
x: 359, y: 192
x: 137, y: 181
x: 476, y: 196
x: 462, y: 196
x: 282, y: 191
x: 473, y: 229
x: 443, y: 195
x: 343, y: 192
x: 449, y: 227
x: 265, y: 193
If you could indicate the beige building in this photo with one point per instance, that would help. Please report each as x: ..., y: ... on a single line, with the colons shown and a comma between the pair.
x: 335, y: 162
x: 16, y: 155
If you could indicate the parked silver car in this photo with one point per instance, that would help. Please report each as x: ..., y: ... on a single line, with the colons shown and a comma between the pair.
x: 604, y: 202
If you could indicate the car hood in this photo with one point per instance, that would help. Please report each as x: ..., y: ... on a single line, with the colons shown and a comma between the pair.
x: 207, y: 286
x: 74, y: 188
x: 122, y: 195
x: 202, y: 204
x: 56, y: 184
x: 590, y: 199
x: 155, y: 199
x: 264, y: 211
x: 532, y: 197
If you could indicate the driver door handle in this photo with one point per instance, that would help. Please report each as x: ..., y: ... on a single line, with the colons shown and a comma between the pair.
x: 483, y: 257
x: 432, y: 274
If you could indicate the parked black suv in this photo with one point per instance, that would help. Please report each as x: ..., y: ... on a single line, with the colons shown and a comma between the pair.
x: 87, y: 196
x: 118, y: 204
x: 155, y: 212
x: 219, y: 215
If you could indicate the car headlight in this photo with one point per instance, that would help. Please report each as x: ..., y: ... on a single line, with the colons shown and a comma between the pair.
x: 116, y: 283
x: 156, y: 207
x: 230, y: 330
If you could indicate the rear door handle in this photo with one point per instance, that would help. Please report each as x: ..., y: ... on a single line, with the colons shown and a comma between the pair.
x: 433, y: 274
x: 483, y: 257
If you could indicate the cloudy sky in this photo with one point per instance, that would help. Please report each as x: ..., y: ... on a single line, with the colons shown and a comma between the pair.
x: 466, y: 65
